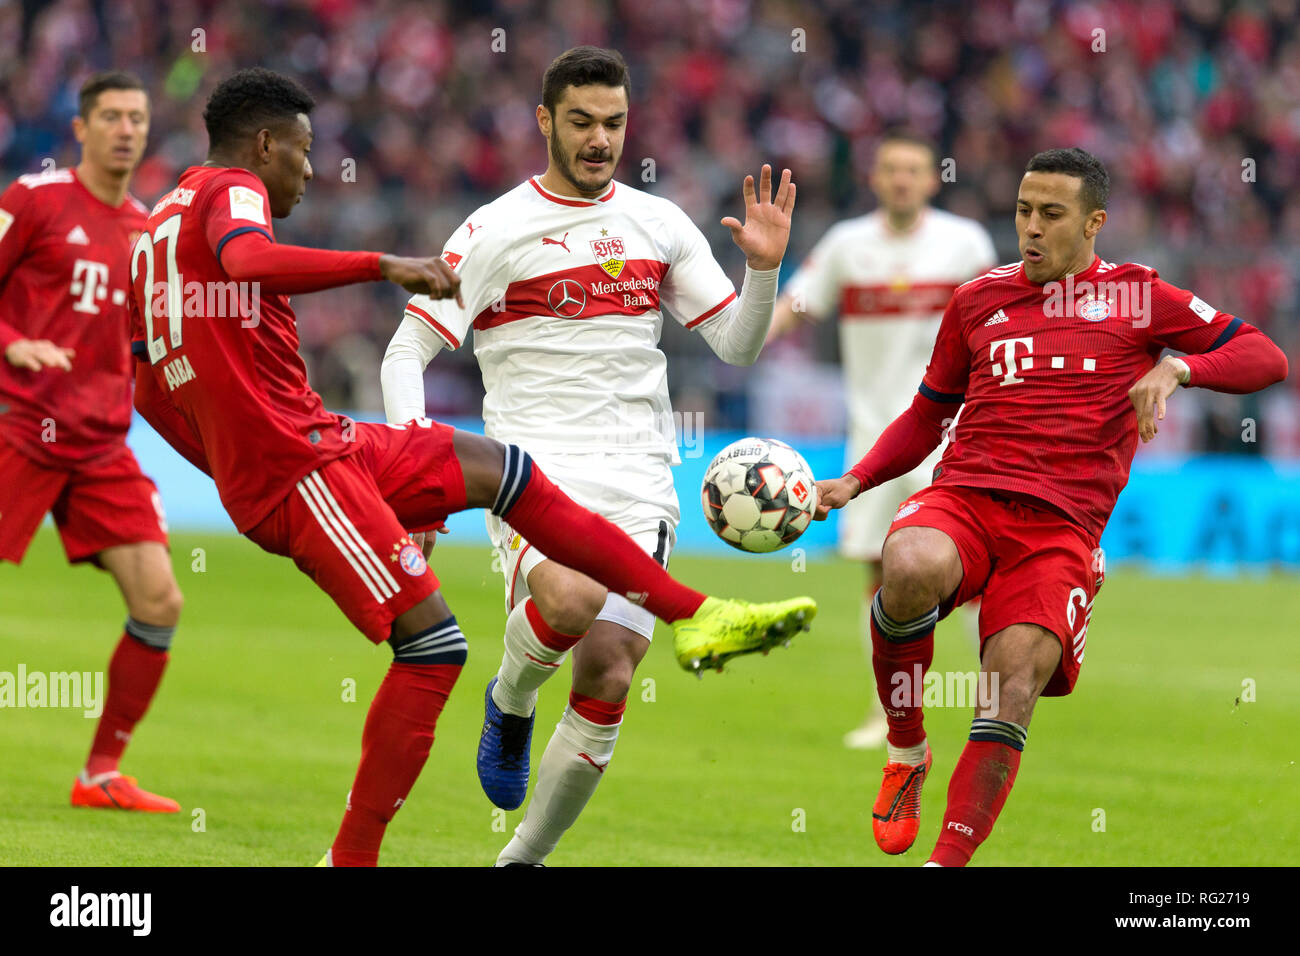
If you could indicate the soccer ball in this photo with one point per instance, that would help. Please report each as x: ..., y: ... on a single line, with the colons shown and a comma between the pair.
x: 758, y: 494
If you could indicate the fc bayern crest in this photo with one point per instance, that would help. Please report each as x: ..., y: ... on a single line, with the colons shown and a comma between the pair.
x: 909, y: 508
x: 609, y: 254
x: 1094, y: 310
x: 409, y: 557
x: 412, y: 561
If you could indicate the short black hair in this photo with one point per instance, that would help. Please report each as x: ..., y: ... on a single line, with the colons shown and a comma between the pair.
x: 252, y: 100
x: 1095, y: 190
x: 97, y: 83
x: 911, y: 137
x: 584, y: 66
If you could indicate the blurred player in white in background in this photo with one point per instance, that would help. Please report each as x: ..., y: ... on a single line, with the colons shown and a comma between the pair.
x: 564, y: 280
x: 888, y: 275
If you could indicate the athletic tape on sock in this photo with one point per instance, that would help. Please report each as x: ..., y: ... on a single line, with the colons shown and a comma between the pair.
x: 900, y: 632
x: 150, y: 635
x: 998, y: 732
x: 441, y: 644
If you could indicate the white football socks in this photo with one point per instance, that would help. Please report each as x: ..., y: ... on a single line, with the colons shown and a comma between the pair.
x: 525, y: 666
x: 574, y: 762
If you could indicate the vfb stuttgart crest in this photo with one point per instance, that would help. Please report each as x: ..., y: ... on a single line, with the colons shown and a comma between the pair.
x: 609, y: 254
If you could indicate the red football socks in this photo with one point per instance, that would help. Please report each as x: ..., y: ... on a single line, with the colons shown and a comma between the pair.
x: 586, y: 542
x: 977, y: 791
x: 134, y: 673
x: 900, y: 665
x: 394, y: 747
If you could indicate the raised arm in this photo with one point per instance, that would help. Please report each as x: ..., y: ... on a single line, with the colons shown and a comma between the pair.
x: 911, y: 437
x: 293, y: 270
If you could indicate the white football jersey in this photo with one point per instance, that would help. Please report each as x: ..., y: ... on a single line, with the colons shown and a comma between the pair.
x: 565, y: 297
x: 890, y: 290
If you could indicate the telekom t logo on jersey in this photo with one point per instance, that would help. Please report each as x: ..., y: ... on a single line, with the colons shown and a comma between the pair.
x: 1009, y: 358
x: 90, y: 282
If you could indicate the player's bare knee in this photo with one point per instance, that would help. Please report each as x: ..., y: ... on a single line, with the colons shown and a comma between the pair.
x: 158, y: 605
x: 610, y: 682
x: 420, y: 618
x: 482, y: 462
x: 913, y: 577
x: 570, y: 610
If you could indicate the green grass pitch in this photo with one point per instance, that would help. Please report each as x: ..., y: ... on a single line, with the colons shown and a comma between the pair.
x: 743, y: 768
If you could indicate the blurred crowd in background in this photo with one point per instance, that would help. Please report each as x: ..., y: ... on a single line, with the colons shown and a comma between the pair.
x: 1194, y: 106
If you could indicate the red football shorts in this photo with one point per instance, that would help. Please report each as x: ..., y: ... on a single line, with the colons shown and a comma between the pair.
x: 1031, y: 565
x: 345, y: 524
x: 95, y: 506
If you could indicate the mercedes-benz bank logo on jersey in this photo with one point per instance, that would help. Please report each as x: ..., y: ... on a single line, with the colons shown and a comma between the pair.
x: 567, y: 299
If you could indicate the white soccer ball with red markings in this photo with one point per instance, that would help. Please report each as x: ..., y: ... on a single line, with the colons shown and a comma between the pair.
x: 758, y: 494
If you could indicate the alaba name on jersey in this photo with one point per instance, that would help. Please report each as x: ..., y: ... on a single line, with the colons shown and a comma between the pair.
x: 1045, y: 371
x: 65, y: 277
x: 565, y: 297
x: 889, y: 289
x: 227, y: 357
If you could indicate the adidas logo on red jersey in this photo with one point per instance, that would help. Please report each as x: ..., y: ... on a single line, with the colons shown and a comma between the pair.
x: 997, y: 317
x: 78, y: 237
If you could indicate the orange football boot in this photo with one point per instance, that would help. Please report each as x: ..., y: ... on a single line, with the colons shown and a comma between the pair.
x: 897, y: 814
x: 120, y: 793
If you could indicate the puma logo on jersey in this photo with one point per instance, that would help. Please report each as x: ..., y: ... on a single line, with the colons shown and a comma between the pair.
x: 471, y: 227
x: 997, y: 318
x: 548, y: 241
x: 77, y: 237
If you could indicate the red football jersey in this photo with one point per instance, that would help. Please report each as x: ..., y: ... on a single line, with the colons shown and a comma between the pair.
x: 225, y: 353
x: 1045, y: 370
x: 64, y: 261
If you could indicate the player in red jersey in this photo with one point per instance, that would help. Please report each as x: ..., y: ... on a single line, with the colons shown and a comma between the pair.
x: 65, y: 406
x: 221, y: 380
x: 1055, y: 358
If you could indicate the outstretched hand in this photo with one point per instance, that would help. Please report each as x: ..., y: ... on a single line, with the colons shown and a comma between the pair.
x: 835, y: 493
x: 36, y: 354
x: 766, y: 230
x: 431, y: 276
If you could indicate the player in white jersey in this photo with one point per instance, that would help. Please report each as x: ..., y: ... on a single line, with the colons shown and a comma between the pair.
x: 889, y: 276
x: 564, y: 280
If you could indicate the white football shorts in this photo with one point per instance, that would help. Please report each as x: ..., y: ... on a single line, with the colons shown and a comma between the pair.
x: 634, y: 492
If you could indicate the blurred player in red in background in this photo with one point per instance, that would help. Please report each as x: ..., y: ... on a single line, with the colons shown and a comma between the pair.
x: 889, y: 275
x: 227, y: 388
x: 1055, y: 358
x: 65, y: 406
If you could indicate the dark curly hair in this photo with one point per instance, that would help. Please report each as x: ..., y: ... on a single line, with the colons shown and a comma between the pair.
x: 252, y: 100
x: 1095, y: 190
